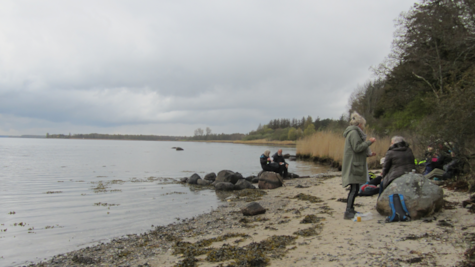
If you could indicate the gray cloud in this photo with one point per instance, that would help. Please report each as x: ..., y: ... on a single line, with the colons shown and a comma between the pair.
x: 168, y: 67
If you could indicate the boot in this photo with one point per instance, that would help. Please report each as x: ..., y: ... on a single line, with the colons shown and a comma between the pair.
x: 350, y: 213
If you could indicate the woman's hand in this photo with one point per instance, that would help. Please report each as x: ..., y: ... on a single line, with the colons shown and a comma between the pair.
x: 372, y: 139
x: 373, y: 154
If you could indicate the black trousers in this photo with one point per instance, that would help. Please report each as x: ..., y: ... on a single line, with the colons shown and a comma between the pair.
x: 354, y: 188
x: 283, y: 170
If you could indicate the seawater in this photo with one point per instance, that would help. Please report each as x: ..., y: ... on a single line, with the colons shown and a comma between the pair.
x: 58, y: 195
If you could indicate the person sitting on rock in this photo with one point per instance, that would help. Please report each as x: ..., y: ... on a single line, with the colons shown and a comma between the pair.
x: 267, y: 164
x: 398, y: 160
x: 449, y: 170
x: 283, y: 166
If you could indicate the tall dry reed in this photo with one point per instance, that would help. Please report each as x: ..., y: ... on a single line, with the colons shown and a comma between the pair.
x: 326, y: 144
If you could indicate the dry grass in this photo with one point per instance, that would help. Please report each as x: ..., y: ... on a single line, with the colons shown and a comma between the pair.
x: 256, y: 142
x: 330, y: 145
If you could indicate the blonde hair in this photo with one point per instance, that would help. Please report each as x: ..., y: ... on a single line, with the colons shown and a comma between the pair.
x: 267, y: 153
x: 356, y: 119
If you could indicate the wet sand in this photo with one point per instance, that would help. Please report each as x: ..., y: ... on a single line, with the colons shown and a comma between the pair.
x: 329, y: 240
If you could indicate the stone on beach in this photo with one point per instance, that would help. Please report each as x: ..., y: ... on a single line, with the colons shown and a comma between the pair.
x: 194, y: 179
x: 224, y: 186
x: 252, y: 209
x: 243, y: 184
x: 270, y: 180
x: 421, y: 196
x: 250, y: 178
x: 229, y: 176
x: 203, y: 182
x: 210, y: 176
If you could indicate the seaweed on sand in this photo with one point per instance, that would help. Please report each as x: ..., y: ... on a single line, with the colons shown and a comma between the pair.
x: 309, y: 198
x: 312, y: 219
x: 253, y: 254
x: 311, y: 231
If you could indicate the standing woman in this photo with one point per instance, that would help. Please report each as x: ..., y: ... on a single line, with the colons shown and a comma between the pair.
x: 354, y: 171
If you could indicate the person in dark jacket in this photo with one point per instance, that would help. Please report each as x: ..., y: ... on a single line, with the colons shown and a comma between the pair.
x: 398, y: 160
x: 283, y: 166
x: 267, y: 164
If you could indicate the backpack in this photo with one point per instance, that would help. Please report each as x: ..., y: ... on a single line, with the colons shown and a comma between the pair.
x: 368, y: 190
x: 399, y: 211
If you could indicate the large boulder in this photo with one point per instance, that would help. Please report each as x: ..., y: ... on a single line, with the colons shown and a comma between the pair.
x: 253, y: 208
x: 243, y: 184
x: 223, y: 186
x: 210, y: 177
x: 422, y: 197
x: 270, y: 180
x: 228, y: 176
x: 203, y: 182
x: 194, y: 179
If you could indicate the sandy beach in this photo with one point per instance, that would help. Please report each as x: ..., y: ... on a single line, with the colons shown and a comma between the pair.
x: 303, y: 226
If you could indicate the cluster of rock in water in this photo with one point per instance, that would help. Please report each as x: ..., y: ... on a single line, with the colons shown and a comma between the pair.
x: 227, y: 180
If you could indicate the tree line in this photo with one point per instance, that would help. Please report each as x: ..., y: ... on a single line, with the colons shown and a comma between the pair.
x: 426, y: 85
x: 117, y: 137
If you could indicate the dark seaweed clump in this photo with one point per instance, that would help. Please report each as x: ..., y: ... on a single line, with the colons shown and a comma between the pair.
x: 249, y: 195
x: 311, y: 231
x: 254, y: 254
x: 312, y: 219
x: 309, y: 198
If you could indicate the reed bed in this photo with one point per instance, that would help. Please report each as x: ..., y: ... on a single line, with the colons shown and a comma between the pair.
x: 330, y: 145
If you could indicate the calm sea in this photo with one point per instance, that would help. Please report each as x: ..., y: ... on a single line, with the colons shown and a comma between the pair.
x: 61, y: 195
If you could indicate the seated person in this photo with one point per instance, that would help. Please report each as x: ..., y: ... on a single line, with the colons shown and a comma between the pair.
x: 448, y: 170
x: 283, y: 166
x: 398, y: 160
x: 267, y: 164
x: 371, y: 188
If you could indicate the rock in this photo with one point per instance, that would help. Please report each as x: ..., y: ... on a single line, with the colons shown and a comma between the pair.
x: 250, y: 178
x: 210, y: 176
x: 194, y: 179
x: 228, y: 176
x: 421, y: 196
x: 292, y: 175
x: 252, y: 209
x: 203, y: 182
x: 184, y: 180
x: 255, y: 180
x: 243, y: 184
x: 293, y: 158
x: 286, y: 156
x: 178, y: 149
x: 270, y: 180
x: 224, y: 186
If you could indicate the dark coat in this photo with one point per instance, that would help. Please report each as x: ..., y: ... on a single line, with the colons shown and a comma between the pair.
x: 265, y: 164
x: 279, y: 158
x: 399, y: 160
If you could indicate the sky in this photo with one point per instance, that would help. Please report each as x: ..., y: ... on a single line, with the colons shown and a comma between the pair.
x: 170, y: 67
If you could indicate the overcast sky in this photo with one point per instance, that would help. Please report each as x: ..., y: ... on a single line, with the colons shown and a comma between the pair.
x: 169, y: 67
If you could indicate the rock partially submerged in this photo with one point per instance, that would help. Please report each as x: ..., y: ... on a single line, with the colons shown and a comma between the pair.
x: 252, y: 209
x: 228, y: 176
x: 421, y: 196
x: 243, y: 184
x: 224, y: 186
x: 194, y: 179
x: 210, y: 176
